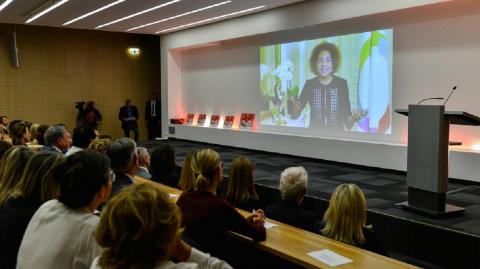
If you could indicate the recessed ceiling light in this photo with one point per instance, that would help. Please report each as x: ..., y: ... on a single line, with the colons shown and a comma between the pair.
x: 93, y: 12
x: 45, y: 11
x: 138, y: 13
x: 210, y: 19
x: 178, y: 16
x: 5, y: 4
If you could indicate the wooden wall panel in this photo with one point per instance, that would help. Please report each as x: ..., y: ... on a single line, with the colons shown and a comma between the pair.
x: 60, y: 66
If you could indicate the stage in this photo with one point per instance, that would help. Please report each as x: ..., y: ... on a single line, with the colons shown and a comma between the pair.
x: 407, y: 235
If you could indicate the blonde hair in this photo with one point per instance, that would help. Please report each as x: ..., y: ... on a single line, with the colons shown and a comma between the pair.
x: 139, y: 227
x: 38, y: 180
x: 186, y: 179
x: 204, y: 165
x: 33, y: 132
x: 100, y: 145
x: 12, y: 164
x: 240, y: 186
x: 346, y: 215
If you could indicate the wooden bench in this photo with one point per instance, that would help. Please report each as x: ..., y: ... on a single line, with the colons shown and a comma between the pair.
x: 293, y: 244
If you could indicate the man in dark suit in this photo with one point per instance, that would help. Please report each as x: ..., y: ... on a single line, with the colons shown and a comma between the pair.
x: 152, y: 116
x: 57, y: 139
x: 129, y: 115
x: 293, y: 186
x: 124, y: 162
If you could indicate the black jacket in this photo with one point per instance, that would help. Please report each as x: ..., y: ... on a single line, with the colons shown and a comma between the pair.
x: 291, y: 213
x: 123, y: 113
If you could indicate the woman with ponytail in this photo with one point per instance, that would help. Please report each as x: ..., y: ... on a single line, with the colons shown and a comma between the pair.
x: 206, y: 216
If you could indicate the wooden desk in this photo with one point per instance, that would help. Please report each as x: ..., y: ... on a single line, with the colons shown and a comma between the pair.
x: 293, y: 244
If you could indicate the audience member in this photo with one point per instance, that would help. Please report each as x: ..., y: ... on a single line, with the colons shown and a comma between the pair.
x: 57, y: 139
x: 61, y: 232
x: 12, y: 164
x: 186, y: 179
x: 163, y: 166
x: 143, y: 163
x: 140, y: 228
x: 346, y: 217
x: 33, y: 133
x: 240, y: 190
x: 20, y: 133
x: 4, y: 146
x: 123, y: 155
x: 293, y: 186
x: 39, y: 138
x: 3, y: 124
x: 207, y: 217
x: 100, y: 145
x: 82, y: 137
x: 35, y: 187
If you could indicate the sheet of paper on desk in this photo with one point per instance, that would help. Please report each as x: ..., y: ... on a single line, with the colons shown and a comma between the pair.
x: 172, y: 195
x: 329, y: 257
x: 269, y: 225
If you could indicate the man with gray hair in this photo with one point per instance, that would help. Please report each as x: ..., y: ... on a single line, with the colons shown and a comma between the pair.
x: 57, y: 139
x: 124, y: 162
x: 143, y: 163
x: 293, y: 187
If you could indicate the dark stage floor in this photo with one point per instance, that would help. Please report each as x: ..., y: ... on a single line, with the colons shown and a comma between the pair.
x: 382, y: 188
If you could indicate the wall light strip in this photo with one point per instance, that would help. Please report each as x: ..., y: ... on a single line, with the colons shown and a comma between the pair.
x: 138, y: 13
x: 5, y: 4
x: 93, y: 12
x: 178, y: 16
x: 210, y: 19
x: 45, y: 11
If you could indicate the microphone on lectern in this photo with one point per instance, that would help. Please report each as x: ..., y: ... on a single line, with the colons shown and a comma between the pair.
x: 451, y: 92
x: 431, y: 98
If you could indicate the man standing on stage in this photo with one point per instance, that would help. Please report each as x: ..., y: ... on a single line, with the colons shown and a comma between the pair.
x: 152, y: 116
x: 129, y: 115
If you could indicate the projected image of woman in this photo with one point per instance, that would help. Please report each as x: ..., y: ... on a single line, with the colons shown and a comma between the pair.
x: 326, y: 93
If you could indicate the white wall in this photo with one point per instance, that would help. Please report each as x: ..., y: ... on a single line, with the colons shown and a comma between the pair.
x: 214, y: 69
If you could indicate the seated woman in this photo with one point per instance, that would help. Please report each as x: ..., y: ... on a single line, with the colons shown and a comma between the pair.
x: 163, y: 167
x: 240, y: 190
x: 60, y: 233
x: 20, y: 133
x: 345, y: 219
x: 206, y: 216
x: 12, y: 165
x: 186, y: 177
x: 140, y: 228
x: 35, y: 187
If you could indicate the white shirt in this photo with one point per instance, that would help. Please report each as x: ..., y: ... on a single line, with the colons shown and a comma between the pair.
x: 196, y: 260
x: 72, y: 150
x: 59, y: 237
x: 153, y: 108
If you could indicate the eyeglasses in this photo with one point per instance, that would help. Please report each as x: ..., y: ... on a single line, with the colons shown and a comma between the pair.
x: 112, y: 176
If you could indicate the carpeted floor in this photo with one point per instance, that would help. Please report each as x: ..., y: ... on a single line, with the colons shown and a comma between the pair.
x: 382, y: 188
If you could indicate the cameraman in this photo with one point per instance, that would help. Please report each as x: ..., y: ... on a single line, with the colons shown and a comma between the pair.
x: 90, y: 115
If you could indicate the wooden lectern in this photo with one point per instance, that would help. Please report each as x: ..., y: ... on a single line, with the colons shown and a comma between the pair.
x: 427, y: 161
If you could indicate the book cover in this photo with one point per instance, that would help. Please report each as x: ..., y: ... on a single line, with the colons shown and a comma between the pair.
x: 246, y: 120
x: 201, y: 119
x: 190, y: 118
x: 214, y: 120
x: 228, y: 122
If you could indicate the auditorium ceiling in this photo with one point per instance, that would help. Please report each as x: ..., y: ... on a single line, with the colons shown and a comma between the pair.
x: 135, y: 16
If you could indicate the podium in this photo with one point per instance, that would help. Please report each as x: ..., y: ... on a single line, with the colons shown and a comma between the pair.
x: 427, y: 161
